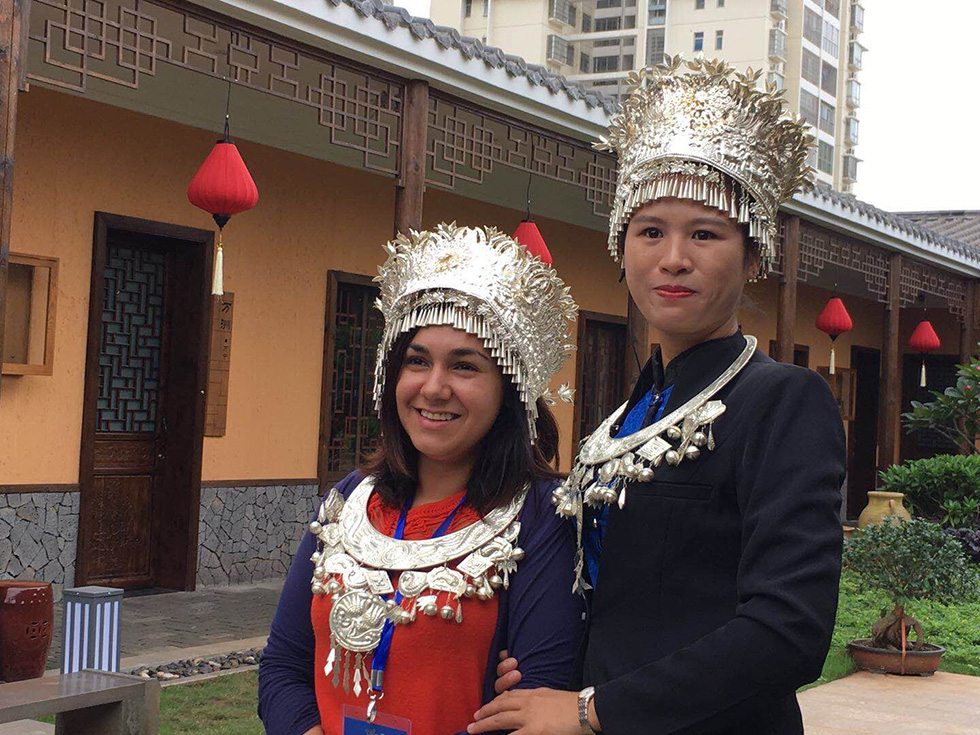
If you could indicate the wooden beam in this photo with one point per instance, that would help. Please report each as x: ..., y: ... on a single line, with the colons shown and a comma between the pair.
x: 411, y: 184
x: 637, y: 345
x: 10, y: 77
x: 786, y: 307
x: 891, y: 370
x: 968, y: 329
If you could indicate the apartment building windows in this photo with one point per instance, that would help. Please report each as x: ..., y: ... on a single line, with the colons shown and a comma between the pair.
x: 586, y: 23
x: 699, y: 41
x: 467, y: 8
x: 656, y: 38
x: 606, y: 43
x: 603, y: 4
x: 776, y: 80
x: 811, y: 27
x: 832, y: 7
x: 777, y: 44
x: 831, y: 39
x: 486, y: 8
x: 810, y: 69
x: 828, y: 78
x: 699, y: 4
x: 850, y: 168
x: 608, y: 24
x: 809, y: 107
x: 851, y: 131
x: 584, y: 63
x: 605, y: 63
x: 562, y: 11
x: 825, y: 157
x: 828, y: 117
x: 778, y: 7
x: 627, y: 61
x: 854, y: 52
x: 560, y: 50
x: 719, y: 40
x: 853, y: 93
x: 857, y: 17
x: 721, y: 3
x: 629, y: 21
x: 656, y: 12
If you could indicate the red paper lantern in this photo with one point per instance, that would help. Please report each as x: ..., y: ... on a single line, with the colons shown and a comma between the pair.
x: 924, y: 339
x: 528, y: 235
x: 222, y: 187
x: 834, y: 320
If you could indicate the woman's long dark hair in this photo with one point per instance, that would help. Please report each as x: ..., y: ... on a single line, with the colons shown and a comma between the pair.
x: 506, y: 460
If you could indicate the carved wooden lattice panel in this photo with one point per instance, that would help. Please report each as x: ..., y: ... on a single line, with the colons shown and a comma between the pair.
x: 354, y: 426
x: 122, y: 41
x: 818, y: 247
x: 132, y: 340
x: 465, y: 144
x: 919, y: 278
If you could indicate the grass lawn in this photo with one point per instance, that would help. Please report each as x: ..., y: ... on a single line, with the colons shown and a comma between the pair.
x: 955, y: 627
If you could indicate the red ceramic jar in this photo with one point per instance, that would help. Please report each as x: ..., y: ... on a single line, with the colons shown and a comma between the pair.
x: 26, y: 623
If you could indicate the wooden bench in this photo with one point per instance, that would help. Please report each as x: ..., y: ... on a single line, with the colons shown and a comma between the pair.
x: 86, y: 703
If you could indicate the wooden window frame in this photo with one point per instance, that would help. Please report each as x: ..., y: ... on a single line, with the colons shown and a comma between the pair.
x: 583, y: 318
x: 47, y: 366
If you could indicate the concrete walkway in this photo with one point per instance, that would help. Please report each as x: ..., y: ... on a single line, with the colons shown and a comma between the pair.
x: 878, y: 704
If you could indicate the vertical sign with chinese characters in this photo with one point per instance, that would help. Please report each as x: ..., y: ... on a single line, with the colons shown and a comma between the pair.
x: 222, y: 315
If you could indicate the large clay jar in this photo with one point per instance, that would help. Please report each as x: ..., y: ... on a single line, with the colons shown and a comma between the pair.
x: 26, y: 623
x: 880, y: 506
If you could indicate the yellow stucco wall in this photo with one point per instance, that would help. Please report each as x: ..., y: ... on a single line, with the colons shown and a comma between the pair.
x: 75, y: 157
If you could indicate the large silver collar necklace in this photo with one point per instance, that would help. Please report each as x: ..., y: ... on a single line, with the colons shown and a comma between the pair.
x: 605, y: 465
x: 354, y: 561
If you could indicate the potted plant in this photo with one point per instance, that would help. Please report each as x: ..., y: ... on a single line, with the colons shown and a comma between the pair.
x: 911, y: 560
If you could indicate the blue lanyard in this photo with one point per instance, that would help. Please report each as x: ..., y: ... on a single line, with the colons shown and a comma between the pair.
x: 380, y: 660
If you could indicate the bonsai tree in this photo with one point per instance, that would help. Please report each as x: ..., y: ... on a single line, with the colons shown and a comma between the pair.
x: 953, y: 413
x: 911, y: 560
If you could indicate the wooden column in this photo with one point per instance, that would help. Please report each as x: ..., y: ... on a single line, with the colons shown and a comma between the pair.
x: 968, y: 330
x: 411, y: 183
x: 638, y: 339
x: 891, y: 370
x: 786, y: 308
x: 10, y: 74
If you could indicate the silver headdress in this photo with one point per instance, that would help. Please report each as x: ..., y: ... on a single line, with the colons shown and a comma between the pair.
x: 709, y: 134
x: 484, y: 283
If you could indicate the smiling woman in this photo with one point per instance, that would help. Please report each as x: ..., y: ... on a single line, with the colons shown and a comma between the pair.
x: 408, y: 583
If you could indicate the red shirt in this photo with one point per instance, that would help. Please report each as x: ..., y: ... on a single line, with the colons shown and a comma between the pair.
x: 436, y: 667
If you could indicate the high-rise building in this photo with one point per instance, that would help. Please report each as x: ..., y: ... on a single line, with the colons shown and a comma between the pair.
x: 810, y: 48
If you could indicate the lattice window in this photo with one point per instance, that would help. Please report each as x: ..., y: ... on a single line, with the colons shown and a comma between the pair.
x: 122, y: 41
x: 465, y: 144
x: 353, y: 424
x: 131, y: 351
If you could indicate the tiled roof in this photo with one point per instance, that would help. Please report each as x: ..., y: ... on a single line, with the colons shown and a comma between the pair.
x: 902, y: 222
x: 963, y: 226
x: 471, y: 48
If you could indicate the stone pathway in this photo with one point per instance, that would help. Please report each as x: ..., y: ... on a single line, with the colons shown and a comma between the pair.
x: 880, y: 704
x: 210, y: 617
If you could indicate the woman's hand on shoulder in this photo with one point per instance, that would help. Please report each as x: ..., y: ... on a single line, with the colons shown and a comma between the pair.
x: 508, y: 676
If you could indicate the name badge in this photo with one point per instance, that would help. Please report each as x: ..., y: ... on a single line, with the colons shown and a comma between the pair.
x: 354, y: 722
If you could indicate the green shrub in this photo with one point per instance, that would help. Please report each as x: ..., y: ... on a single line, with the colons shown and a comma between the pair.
x: 955, y: 412
x: 914, y: 560
x: 944, y: 489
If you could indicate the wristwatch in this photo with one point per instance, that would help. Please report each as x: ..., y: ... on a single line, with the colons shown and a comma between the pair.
x: 584, y: 697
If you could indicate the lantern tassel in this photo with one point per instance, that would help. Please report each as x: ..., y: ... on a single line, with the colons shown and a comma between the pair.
x: 218, y: 284
x: 833, y: 363
x: 922, y: 375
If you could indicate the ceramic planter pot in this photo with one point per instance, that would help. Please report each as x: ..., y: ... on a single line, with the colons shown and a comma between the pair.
x: 26, y: 624
x: 880, y: 506
x: 884, y: 661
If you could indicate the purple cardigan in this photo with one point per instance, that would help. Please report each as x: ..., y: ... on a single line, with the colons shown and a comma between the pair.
x: 540, y: 619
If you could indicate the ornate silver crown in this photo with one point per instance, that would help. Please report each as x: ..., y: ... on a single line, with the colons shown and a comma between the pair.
x: 704, y: 131
x: 483, y: 282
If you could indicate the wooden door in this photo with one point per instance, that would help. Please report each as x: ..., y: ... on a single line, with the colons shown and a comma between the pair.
x: 130, y: 432
x: 862, y: 444
x: 600, y: 371
x: 144, y: 407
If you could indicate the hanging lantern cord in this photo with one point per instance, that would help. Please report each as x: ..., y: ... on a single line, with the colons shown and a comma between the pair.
x: 228, y: 115
x: 528, y: 196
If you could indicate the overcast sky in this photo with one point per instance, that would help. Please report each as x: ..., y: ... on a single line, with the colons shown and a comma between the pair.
x: 920, y: 104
